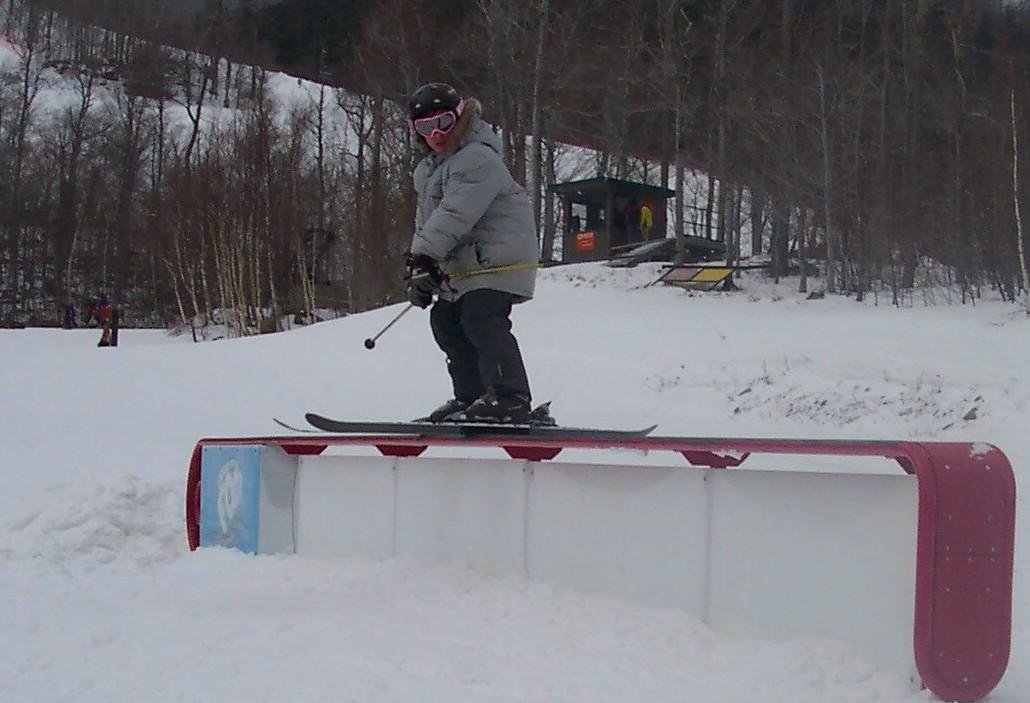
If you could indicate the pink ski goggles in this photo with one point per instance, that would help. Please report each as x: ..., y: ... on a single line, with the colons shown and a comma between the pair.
x: 442, y: 122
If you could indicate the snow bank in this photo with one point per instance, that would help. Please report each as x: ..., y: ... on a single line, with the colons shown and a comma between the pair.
x: 102, y: 603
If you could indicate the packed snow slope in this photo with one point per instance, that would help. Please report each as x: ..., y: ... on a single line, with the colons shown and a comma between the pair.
x: 101, y: 601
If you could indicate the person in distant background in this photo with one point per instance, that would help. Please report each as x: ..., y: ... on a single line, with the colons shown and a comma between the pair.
x: 631, y: 220
x: 103, y: 313
x: 471, y: 217
x: 646, y: 221
x: 89, y: 312
x: 69, y: 316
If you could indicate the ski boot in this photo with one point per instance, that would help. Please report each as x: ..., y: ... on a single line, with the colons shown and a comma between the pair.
x: 513, y: 410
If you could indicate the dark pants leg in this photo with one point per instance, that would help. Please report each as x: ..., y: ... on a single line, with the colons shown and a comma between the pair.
x: 462, y: 360
x: 482, y: 353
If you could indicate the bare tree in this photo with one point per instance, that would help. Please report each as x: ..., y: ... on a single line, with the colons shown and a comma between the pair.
x: 831, y: 231
x: 16, y: 137
x: 1015, y: 202
x: 73, y: 133
x: 675, y: 54
x: 538, y: 109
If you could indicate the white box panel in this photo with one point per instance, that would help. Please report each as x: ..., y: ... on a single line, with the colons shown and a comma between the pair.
x: 809, y: 554
x: 469, y: 510
x: 278, y: 484
x: 638, y: 532
x: 345, y: 506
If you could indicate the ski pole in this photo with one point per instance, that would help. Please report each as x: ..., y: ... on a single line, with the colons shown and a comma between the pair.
x: 370, y: 343
x: 495, y: 269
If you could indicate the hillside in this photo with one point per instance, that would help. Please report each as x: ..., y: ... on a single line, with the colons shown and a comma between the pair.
x: 103, y: 602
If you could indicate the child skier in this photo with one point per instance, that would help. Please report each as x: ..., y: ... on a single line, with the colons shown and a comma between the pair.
x: 475, y: 247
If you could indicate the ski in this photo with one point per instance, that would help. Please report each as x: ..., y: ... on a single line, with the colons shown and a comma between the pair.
x: 293, y: 428
x: 469, y: 429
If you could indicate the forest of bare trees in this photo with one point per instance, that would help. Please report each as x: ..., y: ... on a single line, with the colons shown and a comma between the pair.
x: 882, y: 141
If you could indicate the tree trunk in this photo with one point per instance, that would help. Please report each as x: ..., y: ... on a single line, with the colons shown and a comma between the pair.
x: 1015, y: 200
x: 130, y: 164
x: 780, y: 242
x: 538, y: 192
x: 547, y: 246
x: 831, y: 234
x: 757, y: 221
x: 802, y: 235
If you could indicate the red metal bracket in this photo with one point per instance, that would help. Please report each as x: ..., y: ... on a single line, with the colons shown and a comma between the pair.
x: 964, y: 563
x: 303, y: 449
x: 543, y: 453
x: 401, y: 449
x: 713, y: 460
x: 193, y: 497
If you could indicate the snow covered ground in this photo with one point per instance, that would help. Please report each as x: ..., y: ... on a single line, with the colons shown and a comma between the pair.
x: 101, y: 601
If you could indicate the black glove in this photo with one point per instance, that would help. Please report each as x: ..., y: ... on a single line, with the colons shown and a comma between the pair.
x: 424, y: 279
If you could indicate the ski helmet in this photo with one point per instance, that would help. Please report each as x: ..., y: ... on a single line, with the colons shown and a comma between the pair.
x: 433, y: 97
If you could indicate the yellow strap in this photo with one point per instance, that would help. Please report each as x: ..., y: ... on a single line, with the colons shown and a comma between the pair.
x: 495, y: 269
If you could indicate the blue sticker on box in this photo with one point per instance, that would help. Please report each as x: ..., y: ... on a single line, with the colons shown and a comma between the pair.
x: 230, y: 490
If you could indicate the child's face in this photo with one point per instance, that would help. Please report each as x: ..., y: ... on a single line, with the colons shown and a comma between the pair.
x: 437, y: 141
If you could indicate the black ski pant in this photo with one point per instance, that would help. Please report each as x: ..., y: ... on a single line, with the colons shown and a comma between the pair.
x: 482, y: 354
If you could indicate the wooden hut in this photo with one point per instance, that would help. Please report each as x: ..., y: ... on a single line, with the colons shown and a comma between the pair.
x: 602, y: 216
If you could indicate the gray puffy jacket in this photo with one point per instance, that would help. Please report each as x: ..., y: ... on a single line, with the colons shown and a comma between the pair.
x: 472, y: 215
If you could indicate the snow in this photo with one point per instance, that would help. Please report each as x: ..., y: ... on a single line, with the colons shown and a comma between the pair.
x: 102, y: 600
x: 980, y: 449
